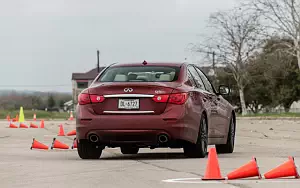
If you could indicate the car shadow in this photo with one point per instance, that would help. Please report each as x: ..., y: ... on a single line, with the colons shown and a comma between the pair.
x: 146, y: 156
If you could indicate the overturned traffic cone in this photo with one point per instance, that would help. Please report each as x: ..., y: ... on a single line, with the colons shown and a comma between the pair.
x: 72, y: 133
x: 42, y: 125
x: 37, y: 145
x: 33, y: 125
x: 22, y: 125
x: 59, y: 145
x: 74, y: 143
x: 246, y: 171
x: 61, y: 131
x: 213, y: 169
x: 286, y: 169
x: 11, y: 125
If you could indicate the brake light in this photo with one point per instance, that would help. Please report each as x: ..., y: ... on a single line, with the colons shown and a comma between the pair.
x: 161, y: 98
x: 85, y: 98
x: 97, y: 98
x: 176, y: 98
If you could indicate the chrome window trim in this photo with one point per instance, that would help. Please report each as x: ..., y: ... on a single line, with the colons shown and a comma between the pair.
x: 128, y: 112
x: 127, y: 95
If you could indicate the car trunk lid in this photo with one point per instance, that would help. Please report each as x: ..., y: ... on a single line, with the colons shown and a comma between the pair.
x: 131, y: 98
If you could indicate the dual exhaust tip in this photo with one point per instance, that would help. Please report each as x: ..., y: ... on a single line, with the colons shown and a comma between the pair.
x: 93, y: 138
x: 162, y: 138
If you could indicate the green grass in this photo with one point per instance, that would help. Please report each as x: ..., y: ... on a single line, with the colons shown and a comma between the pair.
x: 39, y: 114
x: 272, y: 115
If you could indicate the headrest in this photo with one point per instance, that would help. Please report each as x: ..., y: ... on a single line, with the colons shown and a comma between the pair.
x: 142, y: 77
x: 165, y: 77
x: 120, y: 78
x: 172, y: 75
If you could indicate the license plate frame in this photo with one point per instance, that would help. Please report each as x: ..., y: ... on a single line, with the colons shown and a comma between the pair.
x: 129, y: 104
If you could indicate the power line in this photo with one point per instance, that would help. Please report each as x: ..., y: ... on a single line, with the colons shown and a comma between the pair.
x: 60, y: 85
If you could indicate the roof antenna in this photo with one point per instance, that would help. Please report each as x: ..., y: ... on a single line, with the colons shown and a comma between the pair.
x: 145, y: 62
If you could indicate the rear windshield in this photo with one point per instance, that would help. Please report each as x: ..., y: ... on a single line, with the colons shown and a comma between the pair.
x: 140, y: 74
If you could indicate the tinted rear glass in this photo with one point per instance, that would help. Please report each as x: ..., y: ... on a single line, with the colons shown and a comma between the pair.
x: 140, y: 74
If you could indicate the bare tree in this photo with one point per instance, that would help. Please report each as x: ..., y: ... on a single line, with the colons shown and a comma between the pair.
x: 237, y: 37
x: 283, y: 19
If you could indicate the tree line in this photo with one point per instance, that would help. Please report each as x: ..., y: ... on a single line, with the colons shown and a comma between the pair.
x: 257, y: 42
x: 13, y: 100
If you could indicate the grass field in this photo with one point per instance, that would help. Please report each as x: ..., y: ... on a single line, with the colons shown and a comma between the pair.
x: 64, y: 115
x: 39, y: 114
x: 273, y: 115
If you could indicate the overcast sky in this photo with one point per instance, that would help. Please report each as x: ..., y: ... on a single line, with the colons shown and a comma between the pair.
x: 43, y: 42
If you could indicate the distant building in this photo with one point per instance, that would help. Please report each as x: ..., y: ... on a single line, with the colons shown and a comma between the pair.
x: 80, y: 81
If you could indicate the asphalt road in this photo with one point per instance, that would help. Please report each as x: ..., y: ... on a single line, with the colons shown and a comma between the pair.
x: 270, y: 141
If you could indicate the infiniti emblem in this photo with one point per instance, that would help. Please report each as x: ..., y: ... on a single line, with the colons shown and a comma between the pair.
x: 128, y: 90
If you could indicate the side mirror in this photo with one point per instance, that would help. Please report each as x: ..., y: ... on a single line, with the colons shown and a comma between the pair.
x: 224, y: 90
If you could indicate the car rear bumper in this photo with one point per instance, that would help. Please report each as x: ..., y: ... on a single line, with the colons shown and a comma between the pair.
x: 134, y: 129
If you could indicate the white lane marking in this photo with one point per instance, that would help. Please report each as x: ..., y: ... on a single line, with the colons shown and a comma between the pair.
x: 187, y: 180
x: 200, y: 181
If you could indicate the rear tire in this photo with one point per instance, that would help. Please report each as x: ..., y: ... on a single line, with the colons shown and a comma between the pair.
x: 198, y: 150
x: 129, y: 150
x: 87, y: 150
x: 229, y: 146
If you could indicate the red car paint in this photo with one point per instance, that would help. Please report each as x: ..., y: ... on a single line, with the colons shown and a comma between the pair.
x: 170, y: 108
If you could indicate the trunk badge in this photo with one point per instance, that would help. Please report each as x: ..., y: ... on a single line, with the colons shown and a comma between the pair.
x: 128, y: 90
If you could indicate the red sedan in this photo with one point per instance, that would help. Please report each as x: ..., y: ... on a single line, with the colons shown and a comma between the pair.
x: 154, y: 105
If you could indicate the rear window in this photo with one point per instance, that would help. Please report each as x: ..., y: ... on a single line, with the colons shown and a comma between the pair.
x: 140, y: 74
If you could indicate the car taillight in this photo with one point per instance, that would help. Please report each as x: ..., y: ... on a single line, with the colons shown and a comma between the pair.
x: 176, y: 98
x: 97, y: 98
x: 85, y: 98
x: 161, y: 98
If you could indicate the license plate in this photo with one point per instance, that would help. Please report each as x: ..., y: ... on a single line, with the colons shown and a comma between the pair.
x: 129, y: 104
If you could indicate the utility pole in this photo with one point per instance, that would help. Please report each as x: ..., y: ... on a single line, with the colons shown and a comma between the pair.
x: 214, y: 63
x: 213, y: 58
x: 98, y: 62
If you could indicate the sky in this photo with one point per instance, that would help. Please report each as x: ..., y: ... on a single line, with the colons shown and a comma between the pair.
x: 43, y: 42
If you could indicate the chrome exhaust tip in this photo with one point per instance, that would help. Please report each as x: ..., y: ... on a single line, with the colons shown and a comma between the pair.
x: 163, y: 138
x: 93, y: 138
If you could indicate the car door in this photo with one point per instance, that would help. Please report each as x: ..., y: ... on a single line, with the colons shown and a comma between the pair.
x: 219, y: 112
x: 205, y: 96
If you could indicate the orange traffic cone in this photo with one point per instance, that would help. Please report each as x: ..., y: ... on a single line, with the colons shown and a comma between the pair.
x: 22, y: 125
x: 71, y: 116
x: 59, y: 145
x: 61, y: 131
x: 38, y: 145
x: 213, y: 169
x: 74, y: 143
x: 284, y: 170
x: 34, y: 117
x: 72, y: 133
x: 33, y: 125
x: 12, y: 126
x: 42, y: 125
x: 246, y: 171
x: 8, y: 117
